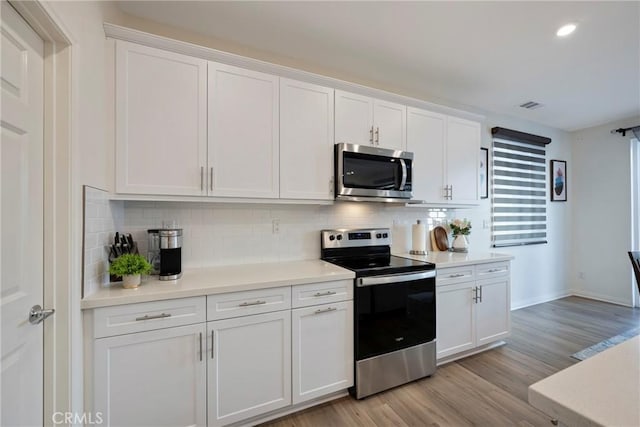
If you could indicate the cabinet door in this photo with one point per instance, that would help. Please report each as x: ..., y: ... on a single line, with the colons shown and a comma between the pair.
x: 249, y: 371
x: 462, y: 160
x: 161, y: 121
x: 426, y: 139
x: 322, y: 350
x: 454, y: 318
x: 155, y: 378
x: 493, y: 310
x: 390, y: 125
x: 243, y: 133
x: 353, y: 118
x: 306, y: 141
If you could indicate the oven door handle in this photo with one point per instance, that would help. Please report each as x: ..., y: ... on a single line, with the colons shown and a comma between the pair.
x: 403, y: 182
x: 394, y: 278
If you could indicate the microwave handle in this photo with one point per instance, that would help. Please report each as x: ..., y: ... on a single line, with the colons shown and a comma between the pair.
x: 403, y: 182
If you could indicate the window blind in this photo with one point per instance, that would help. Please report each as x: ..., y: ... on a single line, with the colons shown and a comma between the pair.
x: 519, y: 204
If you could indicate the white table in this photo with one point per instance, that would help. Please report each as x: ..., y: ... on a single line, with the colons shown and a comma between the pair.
x: 603, y: 390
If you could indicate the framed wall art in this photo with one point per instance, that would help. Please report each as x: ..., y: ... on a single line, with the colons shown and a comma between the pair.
x: 558, y: 173
x: 484, y: 173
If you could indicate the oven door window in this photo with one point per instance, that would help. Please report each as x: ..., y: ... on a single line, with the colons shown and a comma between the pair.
x: 371, y: 172
x: 394, y: 316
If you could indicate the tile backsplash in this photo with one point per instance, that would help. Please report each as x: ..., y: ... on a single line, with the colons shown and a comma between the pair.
x: 222, y: 234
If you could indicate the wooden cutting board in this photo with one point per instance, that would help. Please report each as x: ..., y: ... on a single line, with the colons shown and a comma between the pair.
x: 441, y: 238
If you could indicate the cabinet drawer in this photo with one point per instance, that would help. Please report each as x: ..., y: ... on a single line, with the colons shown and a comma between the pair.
x: 146, y: 316
x: 494, y: 269
x: 447, y: 276
x: 235, y: 304
x: 321, y: 293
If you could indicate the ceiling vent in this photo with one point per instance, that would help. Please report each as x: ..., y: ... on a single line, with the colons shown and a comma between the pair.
x: 531, y: 105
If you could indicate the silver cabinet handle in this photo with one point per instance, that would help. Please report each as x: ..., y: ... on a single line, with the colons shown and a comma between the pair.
x: 480, y: 293
x: 212, y: 344
x: 324, y: 294
x: 331, y: 185
x: 495, y: 270
x: 456, y: 275
x: 37, y: 314
x: 211, y: 178
x: 201, y: 346
x: 451, y: 195
x: 155, y: 316
x: 371, y: 135
x: 248, y: 304
x: 325, y: 310
x: 377, y: 136
x: 201, y: 178
x: 475, y: 294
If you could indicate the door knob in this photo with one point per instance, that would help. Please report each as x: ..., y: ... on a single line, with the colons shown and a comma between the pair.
x: 37, y: 314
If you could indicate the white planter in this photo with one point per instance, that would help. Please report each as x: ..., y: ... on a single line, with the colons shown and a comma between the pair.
x: 460, y: 243
x: 130, y: 281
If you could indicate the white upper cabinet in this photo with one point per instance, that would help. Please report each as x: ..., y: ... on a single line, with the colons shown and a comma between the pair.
x: 463, y: 160
x: 161, y: 121
x: 446, y: 162
x: 368, y: 121
x: 306, y: 140
x: 243, y: 133
x: 426, y: 139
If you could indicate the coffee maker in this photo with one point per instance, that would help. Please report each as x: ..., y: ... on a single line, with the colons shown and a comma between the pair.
x: 165, y: 252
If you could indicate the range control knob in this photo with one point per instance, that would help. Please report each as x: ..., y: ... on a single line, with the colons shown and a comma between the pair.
x: 378, y: 235
x: 332, y: 237
x: 385, y: 235
x: 339, y: 237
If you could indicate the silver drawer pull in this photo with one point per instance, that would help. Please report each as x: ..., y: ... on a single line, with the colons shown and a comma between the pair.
x: 247, y: 304
x: 324, y: 294
x: 456, y: 275
x: 155, y: 316
x: 495, y: 270
x: 326, y: 310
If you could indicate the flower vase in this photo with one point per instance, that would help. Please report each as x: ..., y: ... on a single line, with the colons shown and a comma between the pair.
x: 460, y: 243
x: 130, y: 281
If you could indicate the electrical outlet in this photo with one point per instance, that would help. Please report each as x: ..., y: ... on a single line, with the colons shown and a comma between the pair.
x: 275, y: 226
x: 485, y: 223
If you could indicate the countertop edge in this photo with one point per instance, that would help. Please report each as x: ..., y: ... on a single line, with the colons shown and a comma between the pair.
x: 456, y: 259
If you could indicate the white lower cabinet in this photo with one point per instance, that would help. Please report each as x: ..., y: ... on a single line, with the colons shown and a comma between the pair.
x: 249, y: 366
x: 470, y: 312
x: 154, y: 378
x: 322, y: 350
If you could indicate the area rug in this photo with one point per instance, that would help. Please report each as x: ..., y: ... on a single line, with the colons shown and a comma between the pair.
x: 603, y: 345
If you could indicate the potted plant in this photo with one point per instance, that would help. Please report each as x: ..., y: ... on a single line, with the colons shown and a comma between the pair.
x: 130, y: 267
x: 460, y: 228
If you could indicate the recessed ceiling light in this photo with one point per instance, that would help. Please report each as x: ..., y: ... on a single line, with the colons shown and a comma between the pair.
x: 565, y: 30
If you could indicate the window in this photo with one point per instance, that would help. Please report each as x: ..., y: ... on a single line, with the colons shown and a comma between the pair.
x: 519, y: 201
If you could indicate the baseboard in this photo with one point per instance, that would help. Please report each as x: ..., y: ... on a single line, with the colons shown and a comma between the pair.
x: 540, y: 300
x: 471, y: 352
x: 599, y: 297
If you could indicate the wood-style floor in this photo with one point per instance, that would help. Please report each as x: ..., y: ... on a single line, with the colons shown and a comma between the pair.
x: 487, y: 389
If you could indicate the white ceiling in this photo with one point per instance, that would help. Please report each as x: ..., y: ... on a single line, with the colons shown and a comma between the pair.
x: 490, y: 55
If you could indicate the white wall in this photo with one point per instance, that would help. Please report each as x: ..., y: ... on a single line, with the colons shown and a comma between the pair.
x: 601, y: 228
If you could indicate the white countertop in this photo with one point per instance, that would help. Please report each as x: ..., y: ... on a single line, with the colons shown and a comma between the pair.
x: 215, y: 280
x: 457, y: 259
x: 601, y: 390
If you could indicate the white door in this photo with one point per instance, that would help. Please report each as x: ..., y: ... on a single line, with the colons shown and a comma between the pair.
x: 249, y: 370
x: 306, y: 141
x: 390, y: 125
x: 463, y: 151
x: 322, y: 347
x: 354, y: 118
x: 21, y: 218
x: 454, y: 318
x: 492, y: 310
x: 161, y: 121
x: 426, y: 139
x: 243, y: 132
x: 155, y: 378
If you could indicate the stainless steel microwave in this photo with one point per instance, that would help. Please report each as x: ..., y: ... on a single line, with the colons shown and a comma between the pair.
x: 365, y: 173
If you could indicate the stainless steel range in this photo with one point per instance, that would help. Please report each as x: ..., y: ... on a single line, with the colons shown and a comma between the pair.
x: 395, y: 309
